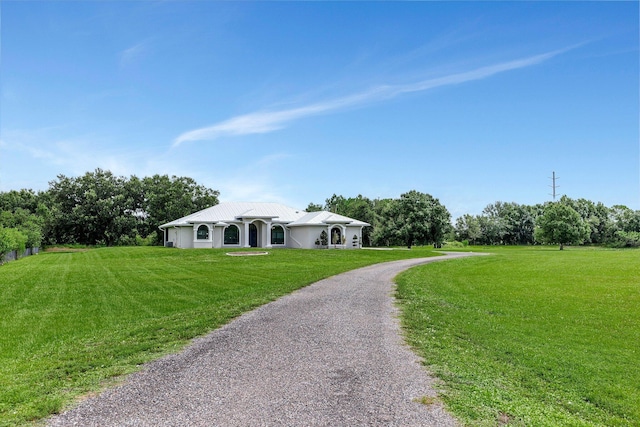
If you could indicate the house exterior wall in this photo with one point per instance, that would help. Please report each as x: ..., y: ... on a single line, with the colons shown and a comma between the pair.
x: 295, y: 237
x: 306, y: 236
x: 303, y: 237
x: 350, y: 232
x: 181, y: 237
x: 202, y: 243
x: 217, y: 237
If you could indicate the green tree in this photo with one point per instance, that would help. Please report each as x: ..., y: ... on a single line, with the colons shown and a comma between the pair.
x: 595, y: 215
x: 561, y: 224
x: 7, y: 242
x: 415, y: 218
x: 468, y: 228
x: 624, y: 219
x: 91, y: 209
x: 100, y: 208
x: 517, y: 223
x: 11, y: 239
x: 15, y: 199
x: 168, y: 198
x: 28, y: 224
x: 383, y: 232
x: 313, y: 207
x: 336, y: 204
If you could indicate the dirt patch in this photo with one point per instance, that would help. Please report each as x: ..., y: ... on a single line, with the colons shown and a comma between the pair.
x: 247, y: 253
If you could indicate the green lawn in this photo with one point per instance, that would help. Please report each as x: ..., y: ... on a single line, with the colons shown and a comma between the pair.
x: 71, y: 323
x: 531, y: 336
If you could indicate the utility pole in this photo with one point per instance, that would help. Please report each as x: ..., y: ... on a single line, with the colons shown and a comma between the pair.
x: 553, y: 185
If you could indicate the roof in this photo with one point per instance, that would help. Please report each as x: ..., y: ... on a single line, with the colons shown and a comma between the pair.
x: 228, y: 212
x: 325, y: 218
x: 235, y: 211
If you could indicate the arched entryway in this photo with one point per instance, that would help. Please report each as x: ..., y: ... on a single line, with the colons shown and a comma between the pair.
x: 253, y: 236
x: 336, y: 236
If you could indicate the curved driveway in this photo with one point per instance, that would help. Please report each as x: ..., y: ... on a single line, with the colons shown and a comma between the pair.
x: 329, y: 354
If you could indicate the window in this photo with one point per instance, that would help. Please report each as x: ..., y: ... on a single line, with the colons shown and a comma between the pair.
x: 231, y: 235
x: 203, y: 232
x: 277, y: 235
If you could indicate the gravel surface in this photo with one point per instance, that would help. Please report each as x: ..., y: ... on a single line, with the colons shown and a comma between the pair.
x: 329, y: 354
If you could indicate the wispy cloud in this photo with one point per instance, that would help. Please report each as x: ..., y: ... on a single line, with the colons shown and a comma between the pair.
x: 269, y: 121
x: 130, y: 55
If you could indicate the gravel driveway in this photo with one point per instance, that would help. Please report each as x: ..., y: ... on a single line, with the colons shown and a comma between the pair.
x: 329, y: 354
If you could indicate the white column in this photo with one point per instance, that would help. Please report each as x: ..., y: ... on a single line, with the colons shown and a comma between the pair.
x: 268, y: 242
x: 246, y: 234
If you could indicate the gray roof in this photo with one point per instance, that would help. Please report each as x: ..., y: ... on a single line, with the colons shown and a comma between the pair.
x: 324, y: 218
x: 228, y: 212
x: 235, y: 211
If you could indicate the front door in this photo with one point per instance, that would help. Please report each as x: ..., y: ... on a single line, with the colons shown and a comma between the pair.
x: 253, y: 236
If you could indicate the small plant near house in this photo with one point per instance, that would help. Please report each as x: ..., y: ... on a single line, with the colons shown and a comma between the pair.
x: 324, y: 239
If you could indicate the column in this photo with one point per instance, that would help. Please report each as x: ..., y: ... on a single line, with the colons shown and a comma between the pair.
x: 246, y: 234
x: 268, y: 242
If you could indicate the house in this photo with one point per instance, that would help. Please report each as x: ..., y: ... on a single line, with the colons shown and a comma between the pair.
x: 262, y: 225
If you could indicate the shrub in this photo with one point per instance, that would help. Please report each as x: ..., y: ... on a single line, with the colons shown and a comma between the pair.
x: 33, y: 236
x: 11, y: 239
x: 626, y: 239
x: 324, y: 239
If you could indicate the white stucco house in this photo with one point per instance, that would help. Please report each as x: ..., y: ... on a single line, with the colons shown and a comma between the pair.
x: 262, y: 225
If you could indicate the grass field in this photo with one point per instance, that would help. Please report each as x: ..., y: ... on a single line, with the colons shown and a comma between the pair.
x: 71, y: 323
x: 527, y: 336
x: 531, y: 336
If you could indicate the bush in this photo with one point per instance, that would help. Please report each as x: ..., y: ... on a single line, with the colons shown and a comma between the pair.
x: 33, y: 236
x: 11, y: 239
x: 324, y: 239
x: 626, y: 239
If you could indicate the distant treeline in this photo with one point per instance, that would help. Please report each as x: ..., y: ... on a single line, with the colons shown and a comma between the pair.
x: 99, y: 208
x: 567, y: 221
x: 512, y: 224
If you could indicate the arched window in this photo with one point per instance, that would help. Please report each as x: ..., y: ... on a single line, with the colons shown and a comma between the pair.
x: 203, y: 232
x: 231, y: 235
x: 336, y: 236
x: 277, y: 235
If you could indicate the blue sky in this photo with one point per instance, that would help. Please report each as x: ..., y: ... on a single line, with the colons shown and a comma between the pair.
x: 294, y: 101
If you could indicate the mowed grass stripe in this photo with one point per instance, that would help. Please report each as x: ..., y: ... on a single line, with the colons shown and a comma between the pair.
x: 72, y: 321
x: 532, y: 336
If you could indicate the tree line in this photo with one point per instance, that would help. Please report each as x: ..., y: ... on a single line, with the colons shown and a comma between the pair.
x: 99, y: 208
x: 583, y: 222
x: 418, y: 218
